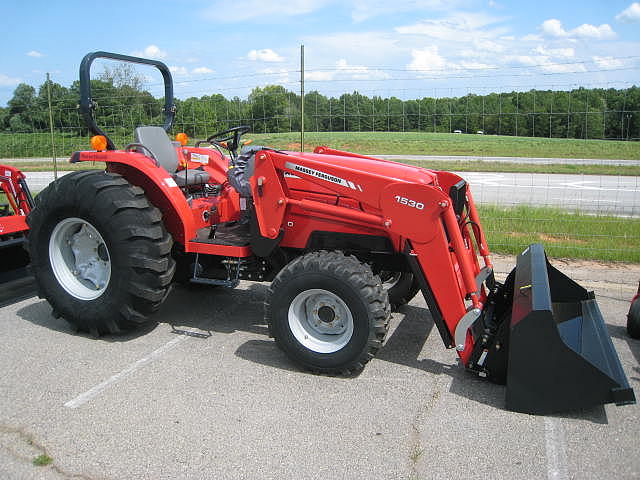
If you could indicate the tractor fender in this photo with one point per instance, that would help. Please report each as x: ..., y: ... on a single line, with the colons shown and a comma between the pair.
x: 160, y: 188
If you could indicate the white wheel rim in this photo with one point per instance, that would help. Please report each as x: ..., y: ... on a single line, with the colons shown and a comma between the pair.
x: 79, y: 258
x: 320, y: 320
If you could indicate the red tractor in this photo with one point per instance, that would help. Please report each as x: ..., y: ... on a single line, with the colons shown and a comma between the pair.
x: 15, y: 204
x: 341, y: 237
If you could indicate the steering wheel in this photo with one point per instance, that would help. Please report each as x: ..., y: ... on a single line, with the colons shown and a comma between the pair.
x: 228, y: 139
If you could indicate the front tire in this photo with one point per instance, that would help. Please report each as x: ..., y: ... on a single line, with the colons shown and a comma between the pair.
x: 328, y: 312
x: 100, y: 252
x: 633, y: 319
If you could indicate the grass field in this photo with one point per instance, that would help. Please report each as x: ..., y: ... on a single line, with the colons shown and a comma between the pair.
x: 564, y: 235
x: 420, y: 143
x: 381, y: 143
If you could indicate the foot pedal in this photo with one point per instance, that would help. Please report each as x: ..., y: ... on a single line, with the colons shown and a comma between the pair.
x: 190, y: 333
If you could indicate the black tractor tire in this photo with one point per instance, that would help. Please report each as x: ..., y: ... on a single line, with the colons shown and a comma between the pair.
x: 633, y: 319
x: 349, y: 312
x: 400, y: 286
x: 131, y: 269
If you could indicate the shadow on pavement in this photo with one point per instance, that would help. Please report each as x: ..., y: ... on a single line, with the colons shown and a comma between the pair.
x: 225, y: 311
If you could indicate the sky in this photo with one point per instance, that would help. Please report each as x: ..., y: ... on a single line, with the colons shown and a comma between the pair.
x: 404, y: 48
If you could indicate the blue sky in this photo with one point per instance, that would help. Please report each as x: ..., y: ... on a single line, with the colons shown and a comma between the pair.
x: 407, y: 48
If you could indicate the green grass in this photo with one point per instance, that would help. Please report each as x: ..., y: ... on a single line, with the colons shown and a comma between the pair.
x: 24, y: 145
x: 42, y: 460
x: 421, y: 143
x: 564, y: 235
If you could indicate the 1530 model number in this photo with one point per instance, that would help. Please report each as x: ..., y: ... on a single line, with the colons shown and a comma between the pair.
x: 410, y: 203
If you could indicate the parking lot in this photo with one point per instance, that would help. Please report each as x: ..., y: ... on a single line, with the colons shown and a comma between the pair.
x: 157, y: 404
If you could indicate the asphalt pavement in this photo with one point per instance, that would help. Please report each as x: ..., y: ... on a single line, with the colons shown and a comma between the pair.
x: 159, y: 405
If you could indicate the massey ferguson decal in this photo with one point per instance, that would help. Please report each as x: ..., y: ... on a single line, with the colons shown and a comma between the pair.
x: 323, y: 176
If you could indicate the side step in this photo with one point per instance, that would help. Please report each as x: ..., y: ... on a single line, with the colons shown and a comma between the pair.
x: 561, y: 356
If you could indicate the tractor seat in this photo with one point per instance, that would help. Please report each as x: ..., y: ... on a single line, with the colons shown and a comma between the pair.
x: 158, y: 142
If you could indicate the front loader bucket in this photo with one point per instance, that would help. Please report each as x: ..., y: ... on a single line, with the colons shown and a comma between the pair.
x: 560, y: 354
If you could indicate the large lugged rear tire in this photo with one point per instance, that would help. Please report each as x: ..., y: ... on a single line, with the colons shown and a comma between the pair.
x: 328, y: 312
x: 100, y: 252
x: 400, y: 286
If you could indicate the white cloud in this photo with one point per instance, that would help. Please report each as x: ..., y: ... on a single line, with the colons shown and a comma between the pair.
x: 427, y: 59
x: 544, y: 62
x: 368, y: 47
x: 608, y: 62
x: 152, y: 51
x: 201, y: 70
x: 264, y: 55
x: 275, y: 76
x: 344, y: 70
x: 178, y: 70
x: 235, y: 12
x: 35, y: 54
x: 631, y: 14
x: 366, y: 9
x: 555, y: 52
x: 319, y: 75
x: 452, y: 29
x: 359, y: 72
x: 553, y: 28
x: 7, y: 81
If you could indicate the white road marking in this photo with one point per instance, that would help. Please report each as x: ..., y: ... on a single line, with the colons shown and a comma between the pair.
x: 95, y: 391
x: 556, y: 450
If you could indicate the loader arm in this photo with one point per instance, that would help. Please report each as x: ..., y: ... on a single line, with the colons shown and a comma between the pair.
x: 403, y: 202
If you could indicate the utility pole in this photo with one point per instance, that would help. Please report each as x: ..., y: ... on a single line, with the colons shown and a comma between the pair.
x: 53, y: 142
x: 302, y: 98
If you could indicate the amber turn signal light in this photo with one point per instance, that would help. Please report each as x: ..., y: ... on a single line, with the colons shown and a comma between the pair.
x: 182, y: 138
x: 99, y: 142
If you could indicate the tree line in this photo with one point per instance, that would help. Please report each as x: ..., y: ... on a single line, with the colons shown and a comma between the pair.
x: 123, y: 104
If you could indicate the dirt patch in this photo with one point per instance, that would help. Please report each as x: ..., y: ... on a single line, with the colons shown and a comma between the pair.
x: 560, y: 239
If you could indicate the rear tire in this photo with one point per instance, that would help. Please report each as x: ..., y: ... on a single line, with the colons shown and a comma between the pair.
x: 328, y: 312
x: 633, y: 319
x: 400, y: 286
x: 100, y: 252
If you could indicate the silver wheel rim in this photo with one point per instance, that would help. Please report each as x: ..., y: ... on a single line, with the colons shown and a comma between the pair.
x: 320, y: 320
x: 390, y: 279
x: 79, y: 258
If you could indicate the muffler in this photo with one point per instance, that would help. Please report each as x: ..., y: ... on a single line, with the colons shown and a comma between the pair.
x: 560, y: 354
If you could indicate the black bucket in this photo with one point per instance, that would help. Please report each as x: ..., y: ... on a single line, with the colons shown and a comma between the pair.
x: 560, y: 354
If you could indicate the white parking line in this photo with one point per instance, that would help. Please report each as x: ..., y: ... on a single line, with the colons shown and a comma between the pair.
x: 556, y: 450
x: 95, y: 391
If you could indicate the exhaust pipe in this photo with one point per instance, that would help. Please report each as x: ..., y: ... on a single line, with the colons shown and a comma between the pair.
x: 560, y: 354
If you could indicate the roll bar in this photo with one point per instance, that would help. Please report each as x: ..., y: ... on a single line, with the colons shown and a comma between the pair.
x: 86, y: 101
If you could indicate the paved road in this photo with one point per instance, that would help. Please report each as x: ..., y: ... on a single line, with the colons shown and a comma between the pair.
x: 615, y: 195
x: 158, y: 405
x: 530, y: 160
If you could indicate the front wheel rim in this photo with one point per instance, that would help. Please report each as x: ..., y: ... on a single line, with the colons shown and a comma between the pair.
x: 320, y: 320
x: 79, y: 258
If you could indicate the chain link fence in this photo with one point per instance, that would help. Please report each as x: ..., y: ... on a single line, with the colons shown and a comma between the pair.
x: 574, y: 215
